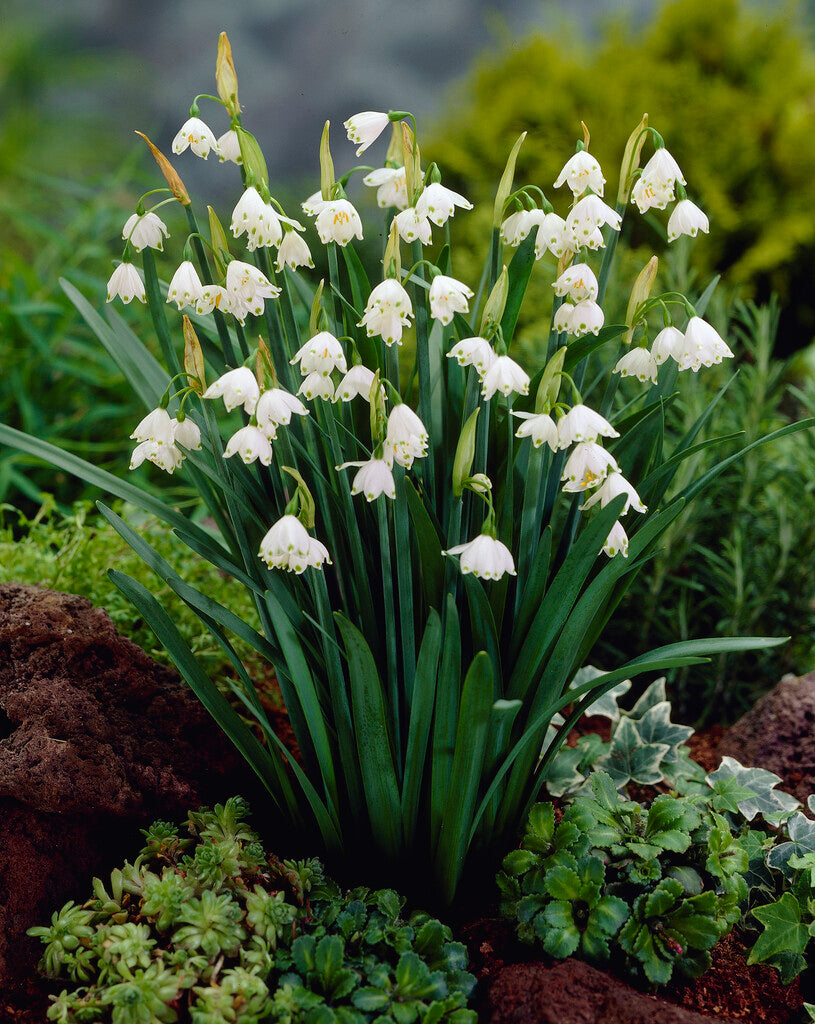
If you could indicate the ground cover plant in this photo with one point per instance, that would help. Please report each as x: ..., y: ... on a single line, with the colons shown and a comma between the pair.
x: 423, y: 613
x: 205, y: 926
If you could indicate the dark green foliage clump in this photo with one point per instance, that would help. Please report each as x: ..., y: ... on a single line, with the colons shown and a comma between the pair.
x: 204, y: 927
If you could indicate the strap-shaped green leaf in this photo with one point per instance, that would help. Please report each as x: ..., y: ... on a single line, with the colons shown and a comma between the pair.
x: 421, y: 716
x: 446, y: 718
x: 431, y: 563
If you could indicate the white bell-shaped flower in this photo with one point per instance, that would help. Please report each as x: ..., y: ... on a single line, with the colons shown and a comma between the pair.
x: 580, y: 172
x: 506, y: 376
x: 276, y: 406
x: 313, y: 204
x: 668, y: 344
x: 358, y: 381
x: 288, y: 546
x: 248, y: 286
x: 259, y: 221
x: 125, y: 284
x: 578, y: 282
x: 703, y: 346
x: 338, y: 221
x: 412, y: 227
x: 406, y: 435
x: 321, y: 354
x: 539, y: 426
x: 215, y: 296
x: 662, y: 170
x: 236, y: 387
x: 551, y: 237
x: 587, y: 466
x: 187, y: 434
x: 617, y: 541
x: 229, y: 148
x: 293, y: 252
x: 317, y: 385
x: 582, y: 424
x: 518, y: 225
x: 638, y: 363
x: 146, y: 230
x: 648, y: 194
x: 448, y: 297
x: 250, y: 443
x: 686, y: 219
x: 438, y: 203
x: 365, y: 128
x: 391, y: 186
x: 475, y: 352
x: 587, y: 318
x: 197, y: 136
x: 586, y: 216
x: 373, y: 478
x: 185, y: 287
x: 563, y: 318
x: 156, y: 426
x: 614, y: 484
x: 165, y: 456
x: 388, y: 310
x: 484, y: 557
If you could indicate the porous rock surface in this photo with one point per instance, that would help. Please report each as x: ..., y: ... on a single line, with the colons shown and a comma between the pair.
x: 779, y: 734
x: 572, y: 992
x: 96, y: 740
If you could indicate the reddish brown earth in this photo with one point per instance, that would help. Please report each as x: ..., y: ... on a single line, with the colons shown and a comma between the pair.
x: 96, y: 740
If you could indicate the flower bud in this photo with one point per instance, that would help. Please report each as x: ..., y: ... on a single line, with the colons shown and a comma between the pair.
x: 465, y: 453
x: 549, y: 385
x: 225, y: 77
x: 505, y: 184
x: 639, y: 293
x: 254, y: 162
x: 326, y: 165
x: 631, y: 161
x: 193, y: 357
x: 412, y: 169
x: 480, y: 483
x: 305, y: 498
x: 220, y: 244
x: 392, y: 261
x: 494, y: 308
x: 316, y: 310
x: 169, y: 172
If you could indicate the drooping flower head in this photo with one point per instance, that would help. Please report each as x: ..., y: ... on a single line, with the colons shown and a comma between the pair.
x: 406, y: 435
x: 578, y: 282
x: 126, y: 284
x: 686, y: 219
x: 580, y: 172
x: 146, y: 230
x: 197, y: 136
x: 288, y: 546
x: 667, y: 344
x: 581, y: 423
x: 276, y: 406
x: 539, y: 426
x: 448, y: 297
x: 321, y: 354
x: 248, y: 287
x: 484, y: 557
x: 551, y: 237
x: 586, y: 318
x: 617, y: 541
x: 236, y: 387
x: 638, y: 363
x: 156, y: 426
x: 373, y: 478
x: 614, y: 484
x: 317, y: 385
x: 388, y: 310
x: 250, y: 443
x: 391, y: 186
x: 165, y: 456
x: 587, y: 466
x: 229, y: 148
x: 438, y: 203
x: 475, y: 352
x: 187, y: 434
x: 357, y: 382
x: 293, y: 252
x: 365, y: 128
x: 338, y: 221
x: 506, y: 376
x: 703, y: 346
x: 588, y: 215
x: 259, y: 221
x: 185, y: 287
x: 411, y: 226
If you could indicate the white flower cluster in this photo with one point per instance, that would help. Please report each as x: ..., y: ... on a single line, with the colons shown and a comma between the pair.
x: 496, y: 373
x: 700, y: 345
x: 159, y: 436
x: 244, y: 291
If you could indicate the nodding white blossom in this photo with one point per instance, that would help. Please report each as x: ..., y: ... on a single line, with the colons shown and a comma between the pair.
x: 406, y: 435
x: 582, y: 424
x: 313, y: 204
x: 588, y: 215
x: 586, y: 318
x: 387, y: 311
x: 518, y: 225
x: 411, y: 226
x: 391, y: 186
x: 165, y: 456
x: 686, y: 219
x: 648, y: 194
x: 187, y: 434
x: 475, y: 352
x: 156, y: 426
x: 236, y: 387
x: 147, y: 230
x: 321, y: 354
x: 229, y: 148
x: 615, y: 483
x: 667, y: 344
x: 484, y: 557
x: 365, y: 128
x: 438, y: 203
x: 248, y: 287
x: 338, y: 221
x: 257, y: 219
x: 250, y: 443
x: 293, y: 252
x: 662, y: 170
x: 126, y: 284
x: 578, y: 282
x: 197, y: 136
x: 373, y: 478
x: 539, y: 426
x: 563, y: 318
x: 638, y: 363
x: 617, y: 541
x: 185, y: 287
x: 587, y: 466
x: 447, y: 297
x: 580, y: 172
x: 506, y: 376
x: 215, y: 296
x: 317, y: 385
x: 358, y: 381
x: 276, y: 406
x: 288, y: 546
x: 703, y: 346
x: 551, y: 237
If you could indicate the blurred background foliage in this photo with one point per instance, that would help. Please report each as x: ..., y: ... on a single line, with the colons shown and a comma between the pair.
x: 730, y: 85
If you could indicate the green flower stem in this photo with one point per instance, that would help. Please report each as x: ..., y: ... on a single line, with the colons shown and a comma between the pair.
x: 275, y: 317
x: 207, y: 277
x: 423, y: 365
x: 334, y: 277
x: 292, y: 335
x: 156, y: 304
x: 451, y: 575
x: 404, y: 575
x: 392, y: 682
x: 495, y: 257
x: 242, y: 342
x: 530, y: 519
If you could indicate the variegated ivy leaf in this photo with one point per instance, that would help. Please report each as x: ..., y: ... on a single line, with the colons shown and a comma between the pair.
x: 607, y: 704
x: 570, y: 766
x: 629, y: 758
x: 801, y: 832
x: 655, y: 726
x: 772, y: 804
x: 655, y: 694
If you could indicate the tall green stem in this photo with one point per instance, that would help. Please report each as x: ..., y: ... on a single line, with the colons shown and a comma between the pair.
x: 423, y: 364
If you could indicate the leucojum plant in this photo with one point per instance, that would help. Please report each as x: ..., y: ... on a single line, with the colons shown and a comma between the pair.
x: 424, y: 612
